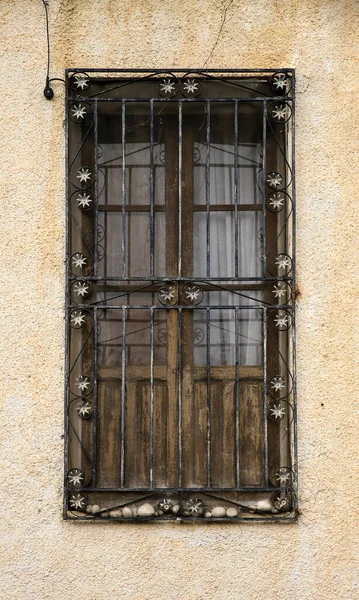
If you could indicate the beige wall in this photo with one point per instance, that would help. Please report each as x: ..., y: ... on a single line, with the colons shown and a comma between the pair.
x: 42, y: 557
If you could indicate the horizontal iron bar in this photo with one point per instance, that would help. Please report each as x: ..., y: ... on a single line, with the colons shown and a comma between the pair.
x: 188, y: 490
x: 195, y: 207
x: 191, y: 70
x: 274, y: 518
x: 186, y: 306
x: 164, y: 280
x: 203, y: 99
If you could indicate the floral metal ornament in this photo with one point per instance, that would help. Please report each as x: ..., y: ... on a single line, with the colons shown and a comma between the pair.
x: 281, y: 291
x: 84, y: 175
x: 192, y: 294
x: 198, y: 336
x: 78, y: 113
x: 78, y: 261
x: 168, y: 88
x: 282, y: 320
x: 84, y: 410
x: 77, y: 319
x: 194, y: 508
x: 283, y: 263
x: 190, y: 88
x: 274, y: 180
x: 84, y: 201
x: 281, y: 83
x: 80, y: 82
x: 277, y: 383
x: 276, y: 411
x: 75, y: 478
x: 282, y: 502
x: 168, y: 295
x: 276, y: 201
x: 283, y: 477
x: 82, y: 289
x: 165, y: 505
x: 280, y: 113
x: 77, y: 501
x: 83, y: 385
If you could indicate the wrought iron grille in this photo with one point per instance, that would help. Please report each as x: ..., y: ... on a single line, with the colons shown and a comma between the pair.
x: 180, y: 385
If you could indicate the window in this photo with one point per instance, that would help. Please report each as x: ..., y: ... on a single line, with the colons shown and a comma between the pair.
x: 180, y: 296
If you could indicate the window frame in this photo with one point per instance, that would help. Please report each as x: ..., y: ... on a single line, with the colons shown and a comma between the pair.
x: 252, y: 512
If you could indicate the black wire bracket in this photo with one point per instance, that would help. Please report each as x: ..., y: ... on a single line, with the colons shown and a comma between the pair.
x: 48, y: 91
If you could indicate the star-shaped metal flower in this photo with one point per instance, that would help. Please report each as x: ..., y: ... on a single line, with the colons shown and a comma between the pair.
x: 84, y: 410
x: 77, y: 501
x: 82, y: 289
x: 77, y: 319
x: 165, y: 505
x: 78, y: 112
x: 281, y: 82
x: 83, y: 383
x: 276, y: 412
x: 79, y: 260
x: 280, y: 290
x: 194, y: 507
x: 84, y: 201
x: 167, y: 294
x: 275, y: 201
x: 283, y: 476
x: 167, y: 87
x: 81, y: 81
x: 192, y: 294
x: 190, y: 87
x: 281, y: 113
x: 284, y: 262
x: 277, y: 383
x: 274, y: 179
x: 282, y: 321
x: 75, y: 478
x: 84, y: 174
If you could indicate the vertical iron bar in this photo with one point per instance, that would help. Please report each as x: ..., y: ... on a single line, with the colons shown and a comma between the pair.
x: 208, y: 397
x: 124, y: 270
x: 208, y: 188
x: 293, y: 364
x: 152, y: 223
x: 95, y: 254
x: 123, y: 398
x: 236, y: 341
x: 151, y: 395
x: 236, y: 230
x: 264, y: 180
x: 95, y: 398
x: 179, y: 188
x: 265, y: 417
x: 179, y: 397
x: 67, y: 313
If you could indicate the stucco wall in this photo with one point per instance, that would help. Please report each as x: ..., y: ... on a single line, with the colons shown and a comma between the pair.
x: 41, y: 556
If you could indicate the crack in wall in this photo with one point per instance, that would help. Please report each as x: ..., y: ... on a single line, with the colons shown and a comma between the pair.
x: 224, y: 18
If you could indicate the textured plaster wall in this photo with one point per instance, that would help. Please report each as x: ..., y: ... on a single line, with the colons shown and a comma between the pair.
x: 42, y: 557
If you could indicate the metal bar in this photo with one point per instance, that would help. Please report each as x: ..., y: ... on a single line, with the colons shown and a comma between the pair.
x: 183, y: 70
x: 152, y: 222
x: 265, y: 416
x: 67, y: 311
x: 124, y: 272
x: 96, y: 189
x: 123, y: 398
x: 95, y: 400
x: 196, y: 208
x: 294, y: 375
x: 151, y: 393
x: 236, y: 336
x: 208, y: 188
x: 200, y: 99
x: 248, y: 489
x: 264, y: 180
x: 236, y: 237
x: 168, y: 279
x: 180, y: 188
x: 188, y: 307
x: 208, y: 361
x: 180, y: 397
